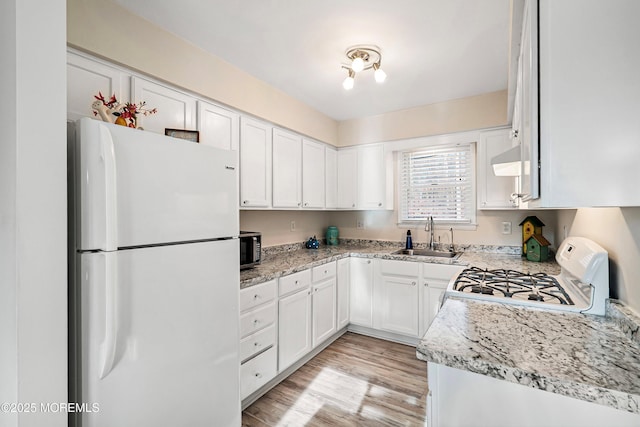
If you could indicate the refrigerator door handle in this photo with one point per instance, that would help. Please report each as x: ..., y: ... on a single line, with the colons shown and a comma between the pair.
x: 107, y: 152
x: 108, y: 346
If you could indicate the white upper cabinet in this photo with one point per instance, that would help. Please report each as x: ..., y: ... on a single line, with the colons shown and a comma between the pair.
x: 218, y: 126
x: 175, y: 110
x: 85, y: 78
x: 494, y: 192
x: 589, y: 87
x: 313, y: 170
x: 371, y: 177
x: 255, y: 163
x: 347, y: 178
x: 331, y: 178
x: 287, y: 169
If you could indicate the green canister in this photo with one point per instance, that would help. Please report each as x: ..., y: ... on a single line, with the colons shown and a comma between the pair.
x: 332, y: 236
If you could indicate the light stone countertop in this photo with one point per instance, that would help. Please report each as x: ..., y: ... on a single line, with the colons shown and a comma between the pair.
x: 284, y: 262
x: 587, y: 357
x: 593, y: 358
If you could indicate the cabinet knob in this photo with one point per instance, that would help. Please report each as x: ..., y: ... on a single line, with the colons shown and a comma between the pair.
x: 255, y: 321
x: 296, y: 282
x: 316, y: 289
x: 379, y: 204
x: 413, y: 283
x: 298, y: 204
x: 369, y: 262
x: 258, y: 375
x: 256, y: 344
x: 256, y: 296
x: 244, y: 202
x: 353, y: 205
x: 426, y: 284
x: 306, y: 203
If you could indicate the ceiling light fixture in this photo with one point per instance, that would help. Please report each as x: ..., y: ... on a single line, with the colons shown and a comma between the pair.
x: 363, y: 57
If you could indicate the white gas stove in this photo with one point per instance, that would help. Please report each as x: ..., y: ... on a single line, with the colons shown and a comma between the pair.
x: 581, y: 286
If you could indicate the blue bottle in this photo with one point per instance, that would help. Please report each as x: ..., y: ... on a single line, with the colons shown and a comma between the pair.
x: 409, y: 244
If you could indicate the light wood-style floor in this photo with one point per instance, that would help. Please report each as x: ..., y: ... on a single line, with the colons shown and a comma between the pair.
x: 356, y: 381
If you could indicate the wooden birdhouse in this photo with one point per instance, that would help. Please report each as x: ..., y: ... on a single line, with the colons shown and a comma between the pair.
x: 530, y: 225
x: 537, y: 248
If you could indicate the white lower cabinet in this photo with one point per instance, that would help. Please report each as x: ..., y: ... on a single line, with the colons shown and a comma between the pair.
x: 307, y: 312
x: 258, y: 341
x: 342, y: 279
x: 323, y: 322
x: 258, y: 371
x: 433, y: 283
x: 361, y: 292
x: 294, y: 318
x: 395, y: 299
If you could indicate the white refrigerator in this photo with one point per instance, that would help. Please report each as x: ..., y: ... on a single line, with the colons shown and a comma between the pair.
x: 154, y: 324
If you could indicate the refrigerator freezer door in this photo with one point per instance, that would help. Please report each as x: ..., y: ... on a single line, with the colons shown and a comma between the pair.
x: 139, y: 188
x: 159, y: 344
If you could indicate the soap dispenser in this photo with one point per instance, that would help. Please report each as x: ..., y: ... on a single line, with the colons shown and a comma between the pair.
x: 409, y: 244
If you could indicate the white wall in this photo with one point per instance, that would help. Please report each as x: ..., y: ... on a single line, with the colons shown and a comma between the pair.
x: 458, y: 115
x: 618, y: 231
x: 275, y: 226
x: 108, y: 30
x: 33, y: 224
x: 382, y: 225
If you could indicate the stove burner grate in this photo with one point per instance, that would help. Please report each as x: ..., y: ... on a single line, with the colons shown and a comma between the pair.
x: 512, y: 284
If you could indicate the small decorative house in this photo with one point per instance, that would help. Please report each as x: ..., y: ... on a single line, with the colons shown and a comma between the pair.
x: 530, y: 225
x: 537, y: 248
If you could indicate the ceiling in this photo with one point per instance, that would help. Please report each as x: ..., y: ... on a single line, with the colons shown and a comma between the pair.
x: 432, y: 50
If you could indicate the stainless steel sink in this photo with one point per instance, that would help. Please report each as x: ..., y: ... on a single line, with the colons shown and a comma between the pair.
x: 425, y: 252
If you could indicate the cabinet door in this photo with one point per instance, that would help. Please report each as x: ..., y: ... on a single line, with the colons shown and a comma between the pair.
x: 331, y: 178
x: 494, y: 192
x: 313, y: 170
x: 176, y: 110
x: 396, y: 305
x: 343, y: 281
x: 347, y: 178
x: 324, y: 311
x: 294, y: 328
x: 361, y: 292
x: 432, y: 292
x: 218, y: 126
x: 255, y: 163
x: 287, y: 169
x: 85, y: 78
x: 371, y: 177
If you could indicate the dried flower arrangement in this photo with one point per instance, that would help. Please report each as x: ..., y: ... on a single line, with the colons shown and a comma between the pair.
x: 112, y: 111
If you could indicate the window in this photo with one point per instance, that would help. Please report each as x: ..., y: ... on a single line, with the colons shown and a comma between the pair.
x: 438, y: 181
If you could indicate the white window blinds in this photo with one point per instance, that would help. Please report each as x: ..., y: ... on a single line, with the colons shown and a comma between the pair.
x: 438, y: 182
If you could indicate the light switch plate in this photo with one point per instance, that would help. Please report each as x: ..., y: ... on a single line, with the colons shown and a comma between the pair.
x: 293, y: 226
x: 360, y: 224
x: 506, y: 227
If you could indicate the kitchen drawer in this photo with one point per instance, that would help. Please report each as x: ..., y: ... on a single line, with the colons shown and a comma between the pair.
x: 257, y: 295
x: 294, y: 282
x: 441, y: 271
x: 400, y: 268
x: 255, y: 343
x: 257, y: 372
x: 257, y: 319
x: 322, y: 272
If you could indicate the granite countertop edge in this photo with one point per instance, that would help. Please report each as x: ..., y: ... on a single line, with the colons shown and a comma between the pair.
x: 285, y: 263
x: 532, y: 377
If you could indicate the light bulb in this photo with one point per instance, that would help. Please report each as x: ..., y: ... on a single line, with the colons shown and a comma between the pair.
x: 358, y: 64
x: 379, y: 75
x: 347, y: 84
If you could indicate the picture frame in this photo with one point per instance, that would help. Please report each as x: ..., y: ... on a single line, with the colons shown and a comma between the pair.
x: 189, y: 135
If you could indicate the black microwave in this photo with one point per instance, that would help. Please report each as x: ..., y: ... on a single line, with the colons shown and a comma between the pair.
x: 250, y: 249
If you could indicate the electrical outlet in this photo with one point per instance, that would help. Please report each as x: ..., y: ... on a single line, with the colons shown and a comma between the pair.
x: 360, y: 224
x: 292, y: 226
x: 506, y: 227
